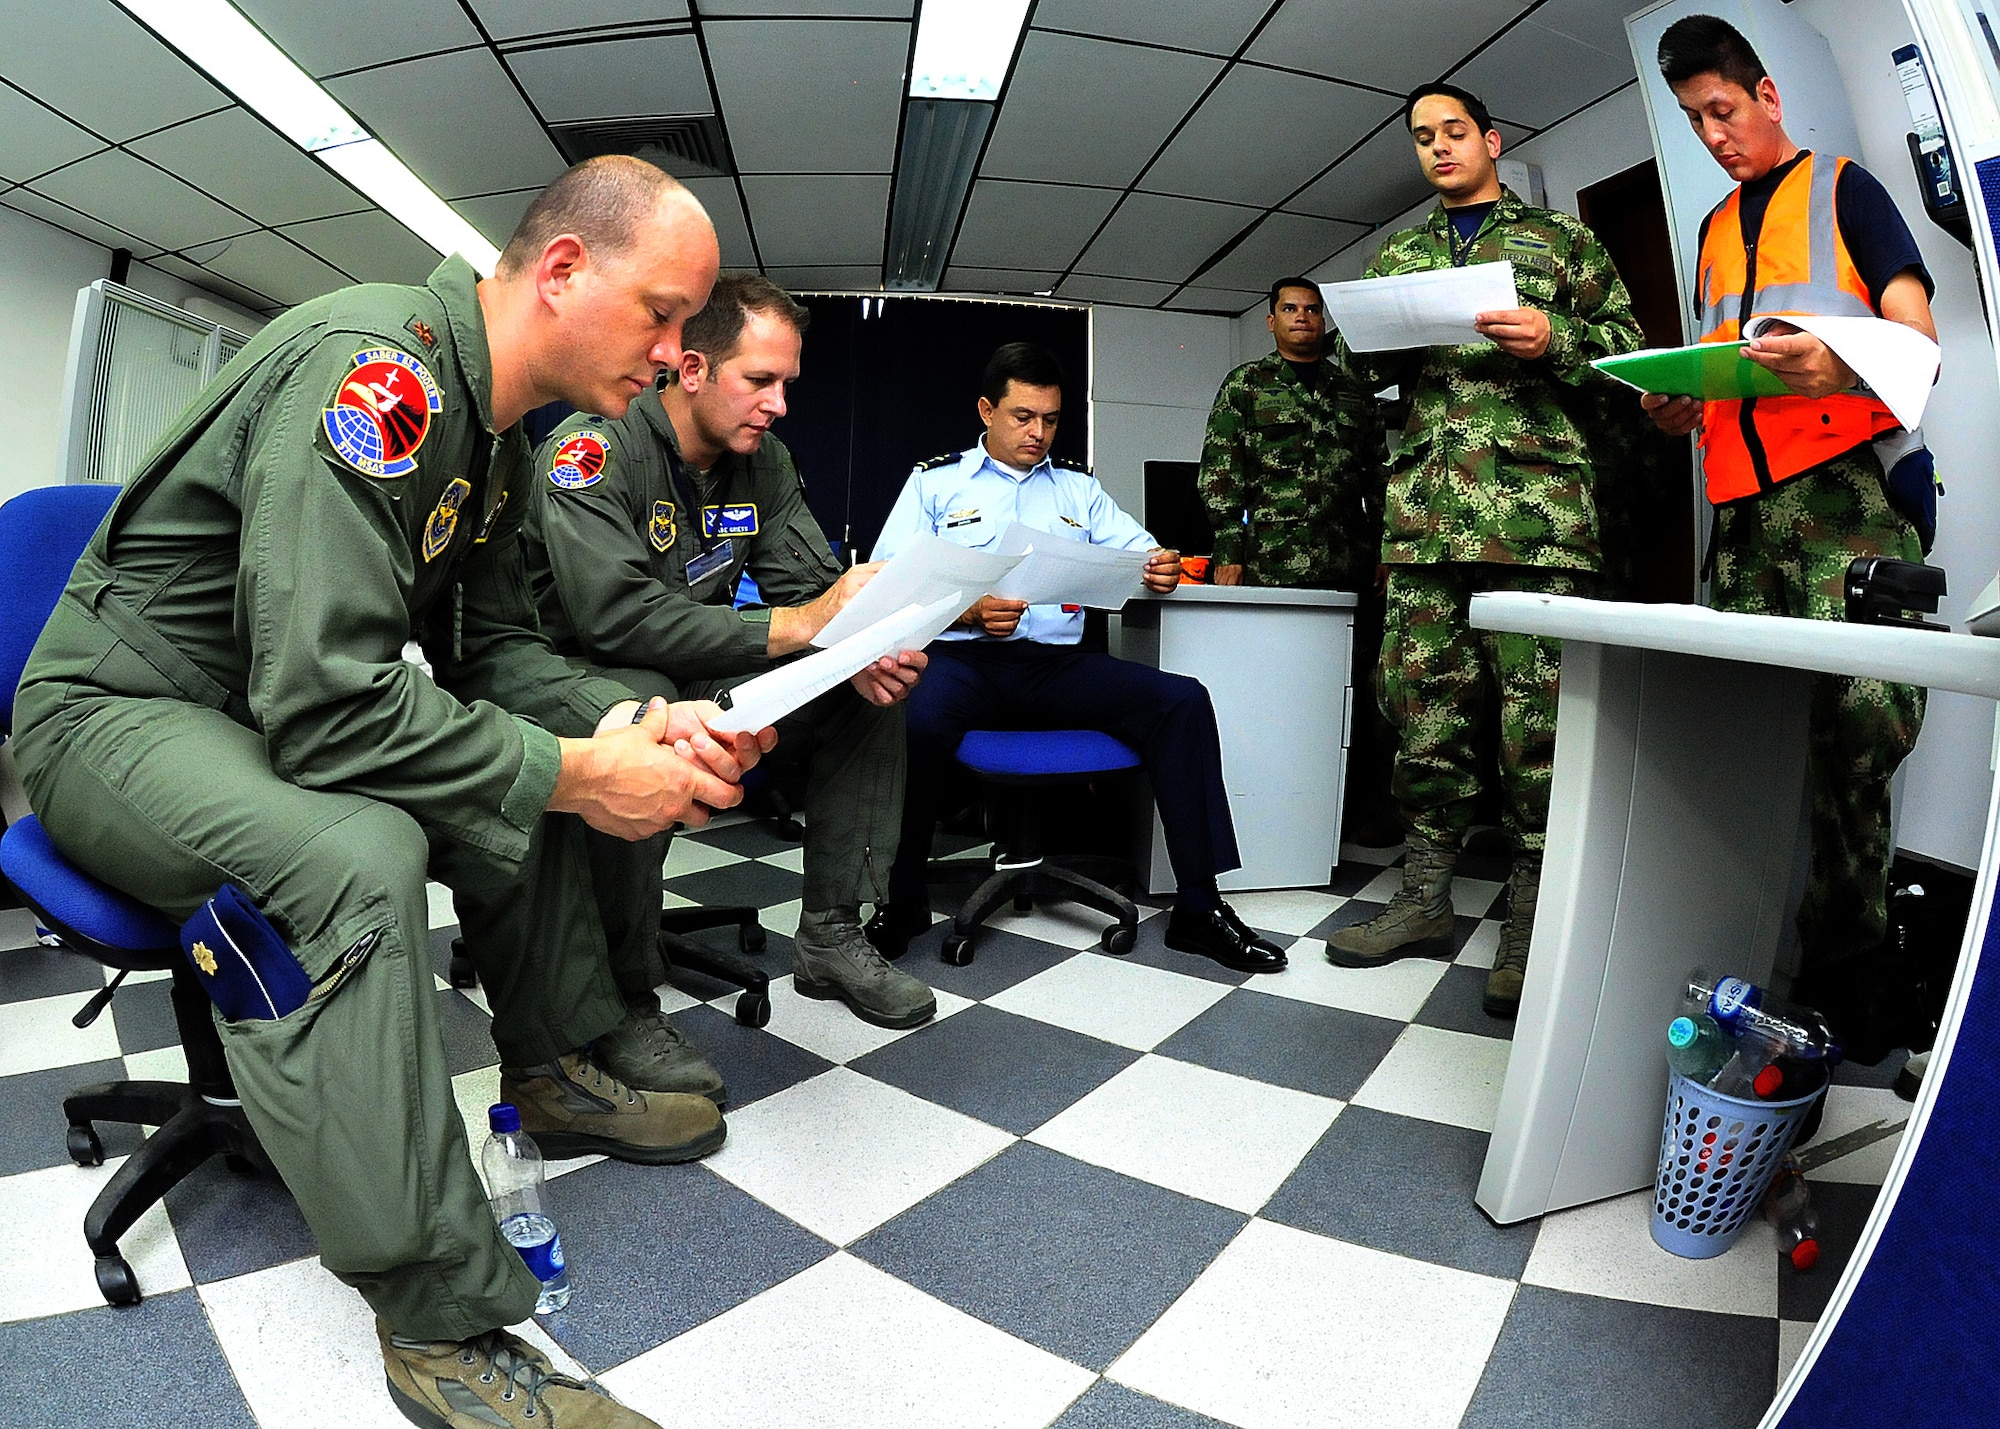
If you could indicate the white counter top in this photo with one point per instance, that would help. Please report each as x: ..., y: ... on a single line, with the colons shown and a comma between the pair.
x: 1940, y: 660
x: 1247, y: 595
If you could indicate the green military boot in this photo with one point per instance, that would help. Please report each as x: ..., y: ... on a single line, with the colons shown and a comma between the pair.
x: 1510, y: 964
x: 648, y: 1052
x: 492, y: 1380
x: 574, y: 1108
x: 832, y: 958
x: 1417, y: 922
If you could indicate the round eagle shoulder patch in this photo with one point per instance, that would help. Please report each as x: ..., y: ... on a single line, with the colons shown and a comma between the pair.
x: 382, y: 412
x: 579, y: 460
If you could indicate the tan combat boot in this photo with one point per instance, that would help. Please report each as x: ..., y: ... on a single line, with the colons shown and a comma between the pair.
x: 1510, y: 964
x: 493, y: 1381
x: 1417, y: 922
x: 574, y: 1108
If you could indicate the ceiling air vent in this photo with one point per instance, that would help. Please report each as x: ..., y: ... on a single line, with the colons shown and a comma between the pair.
x: 685, y: 145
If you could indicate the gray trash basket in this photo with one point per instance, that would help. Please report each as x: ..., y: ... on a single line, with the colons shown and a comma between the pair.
x: 1718, y: 1156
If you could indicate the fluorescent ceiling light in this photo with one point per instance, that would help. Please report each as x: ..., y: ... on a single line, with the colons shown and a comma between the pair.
x: 964, y: 47
x: 215, y: 36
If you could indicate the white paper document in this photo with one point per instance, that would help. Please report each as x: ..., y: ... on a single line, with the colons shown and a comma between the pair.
x: 1056, y: 571
x: 776, y: 693
x: 1898, y: 362
x: 1430, y: 309
x: 918, y: 575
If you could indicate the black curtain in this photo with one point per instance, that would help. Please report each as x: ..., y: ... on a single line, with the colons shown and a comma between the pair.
x: 878, y: 394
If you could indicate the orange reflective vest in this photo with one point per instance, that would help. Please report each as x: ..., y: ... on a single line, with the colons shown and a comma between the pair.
x: 1800, y: 265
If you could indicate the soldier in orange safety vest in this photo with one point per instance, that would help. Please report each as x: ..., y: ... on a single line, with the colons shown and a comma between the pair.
x: 1800, y: 482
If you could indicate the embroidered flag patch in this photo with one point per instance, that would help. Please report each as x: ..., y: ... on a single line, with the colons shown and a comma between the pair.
x: 382, y: 412
x: 579, y: 461
x: 661, y: 530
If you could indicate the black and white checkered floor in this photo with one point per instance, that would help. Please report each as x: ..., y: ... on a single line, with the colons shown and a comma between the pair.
x: 1139, y: 1192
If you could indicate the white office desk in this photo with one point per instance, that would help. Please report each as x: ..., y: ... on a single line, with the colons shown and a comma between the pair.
x: 1675, y: 822
x: 1277, y: 666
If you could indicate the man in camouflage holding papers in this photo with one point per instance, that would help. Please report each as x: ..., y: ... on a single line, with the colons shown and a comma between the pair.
x: 1490, y: 488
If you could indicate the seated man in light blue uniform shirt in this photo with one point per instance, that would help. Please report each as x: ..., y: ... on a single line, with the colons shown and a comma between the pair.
x: 1008, y: 665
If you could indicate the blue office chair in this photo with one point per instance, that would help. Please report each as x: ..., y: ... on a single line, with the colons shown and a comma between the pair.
x: 1014, y: 763
x: 42, y: 532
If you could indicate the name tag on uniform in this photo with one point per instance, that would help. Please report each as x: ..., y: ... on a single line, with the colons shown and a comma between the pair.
x: 729, y: 520
x: 720, y: 558
x: 965, y: 516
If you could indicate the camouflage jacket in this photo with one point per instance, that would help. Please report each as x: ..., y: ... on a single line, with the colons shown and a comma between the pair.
x: 1494, y: 464
x: 1292, y: 478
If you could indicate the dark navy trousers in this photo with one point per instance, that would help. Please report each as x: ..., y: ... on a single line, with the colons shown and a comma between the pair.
x: 1023, y: 684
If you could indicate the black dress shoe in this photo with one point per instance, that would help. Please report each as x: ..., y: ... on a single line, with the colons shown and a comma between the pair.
x: 1221, y: 935
x: 893, y: 925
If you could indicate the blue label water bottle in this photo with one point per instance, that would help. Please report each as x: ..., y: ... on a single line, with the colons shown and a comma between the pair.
x: 513, y: 1166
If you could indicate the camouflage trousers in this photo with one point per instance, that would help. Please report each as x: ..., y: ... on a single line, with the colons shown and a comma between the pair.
x: 1786, y: 553
x: 1471, y: 705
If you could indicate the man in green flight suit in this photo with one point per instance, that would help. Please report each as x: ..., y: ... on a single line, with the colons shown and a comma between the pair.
x: 1489, y: 489
x: 220, y: 699
x: 1292, y: 474
x: 637, y: 533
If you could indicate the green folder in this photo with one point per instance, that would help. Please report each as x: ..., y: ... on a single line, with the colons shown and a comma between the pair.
x: 1711, y: 371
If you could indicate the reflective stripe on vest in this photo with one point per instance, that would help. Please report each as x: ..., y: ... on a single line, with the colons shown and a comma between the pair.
x: 1801, y: 266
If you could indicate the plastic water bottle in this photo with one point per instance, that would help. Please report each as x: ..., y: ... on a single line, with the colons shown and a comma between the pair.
x: 1788, y: 1206
x: 1737, y: 1006
x: 1752, y: 1069
x: 513, y: 1166
x: 1696, y: 1046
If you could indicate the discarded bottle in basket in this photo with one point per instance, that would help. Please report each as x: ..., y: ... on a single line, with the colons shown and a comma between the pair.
x: 1788, y: 1206
x: 1750, y: 1071
x: 1738, y: 1005
x: 1696, y: 1046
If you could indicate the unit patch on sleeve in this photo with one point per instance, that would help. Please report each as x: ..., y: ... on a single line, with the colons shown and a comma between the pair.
x: 579, y: 460
x: 382, y: 412
x: 661, y: 530
x: 444, y: 521
x: 739, y: 520
x: 492, y: 519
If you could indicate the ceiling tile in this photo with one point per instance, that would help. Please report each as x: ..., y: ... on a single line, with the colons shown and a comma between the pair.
x: 1536, y: 76
x: 37, y: 139
x: 996, y: 280
x: 1216, y: 300
x: 661, y: 74
x: 269, y: 264
x: 1124, y: 98
x: 1153, y: 236
x: 1597, y: 23
x: 236, y: 158
x: 817, y: 219
x: 1014, y: 225
x: 507, y: 19
x: 1227, y: 150
x: 1128, y: 291
x: 133, y: 195
x: 810, y: 96
x: 763, y: 9
x: 324, y: 41
x: 841, y: 278
x: 1216, y: 27
x: 370, y: 247
x: 725, y: 210
x: 456, y: 120
x: 1392, y: 47
x: 1283, y: 244
x: 1373, y: 184
x: 81, y: 224
x: 215, y: 283
x: 496, y: 215
x: 62, y: 54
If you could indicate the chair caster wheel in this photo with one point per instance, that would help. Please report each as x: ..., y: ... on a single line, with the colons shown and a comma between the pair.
x: 753, y: 1009
x: 956, y: 950
x: 751, y: 940
x: 1024, y: 902
x: 84, y: 1147
x: 1118, y: 939
x: 461, y: 973
x: 115, y: 1281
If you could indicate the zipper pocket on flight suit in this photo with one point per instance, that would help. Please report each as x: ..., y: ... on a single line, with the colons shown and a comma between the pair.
x: 347, y: 963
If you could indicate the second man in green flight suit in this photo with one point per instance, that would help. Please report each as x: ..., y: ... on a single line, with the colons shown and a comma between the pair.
x: 637, y: 534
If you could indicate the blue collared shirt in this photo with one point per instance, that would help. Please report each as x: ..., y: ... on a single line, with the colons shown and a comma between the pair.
x: 971, y: 501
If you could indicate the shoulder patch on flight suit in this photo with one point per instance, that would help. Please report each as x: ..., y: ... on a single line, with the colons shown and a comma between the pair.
x: 444, y: 521
x: 381, y: 413
x: 948, y: 459
x: 579, y: 460
x: 492, y: 519
x: 661, y: 530
x: 739, y: 519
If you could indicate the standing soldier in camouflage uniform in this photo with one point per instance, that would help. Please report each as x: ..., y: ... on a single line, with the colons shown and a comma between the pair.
x: 1291, y: 474
x: 1489, y: 489
x: 1796, y: 481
